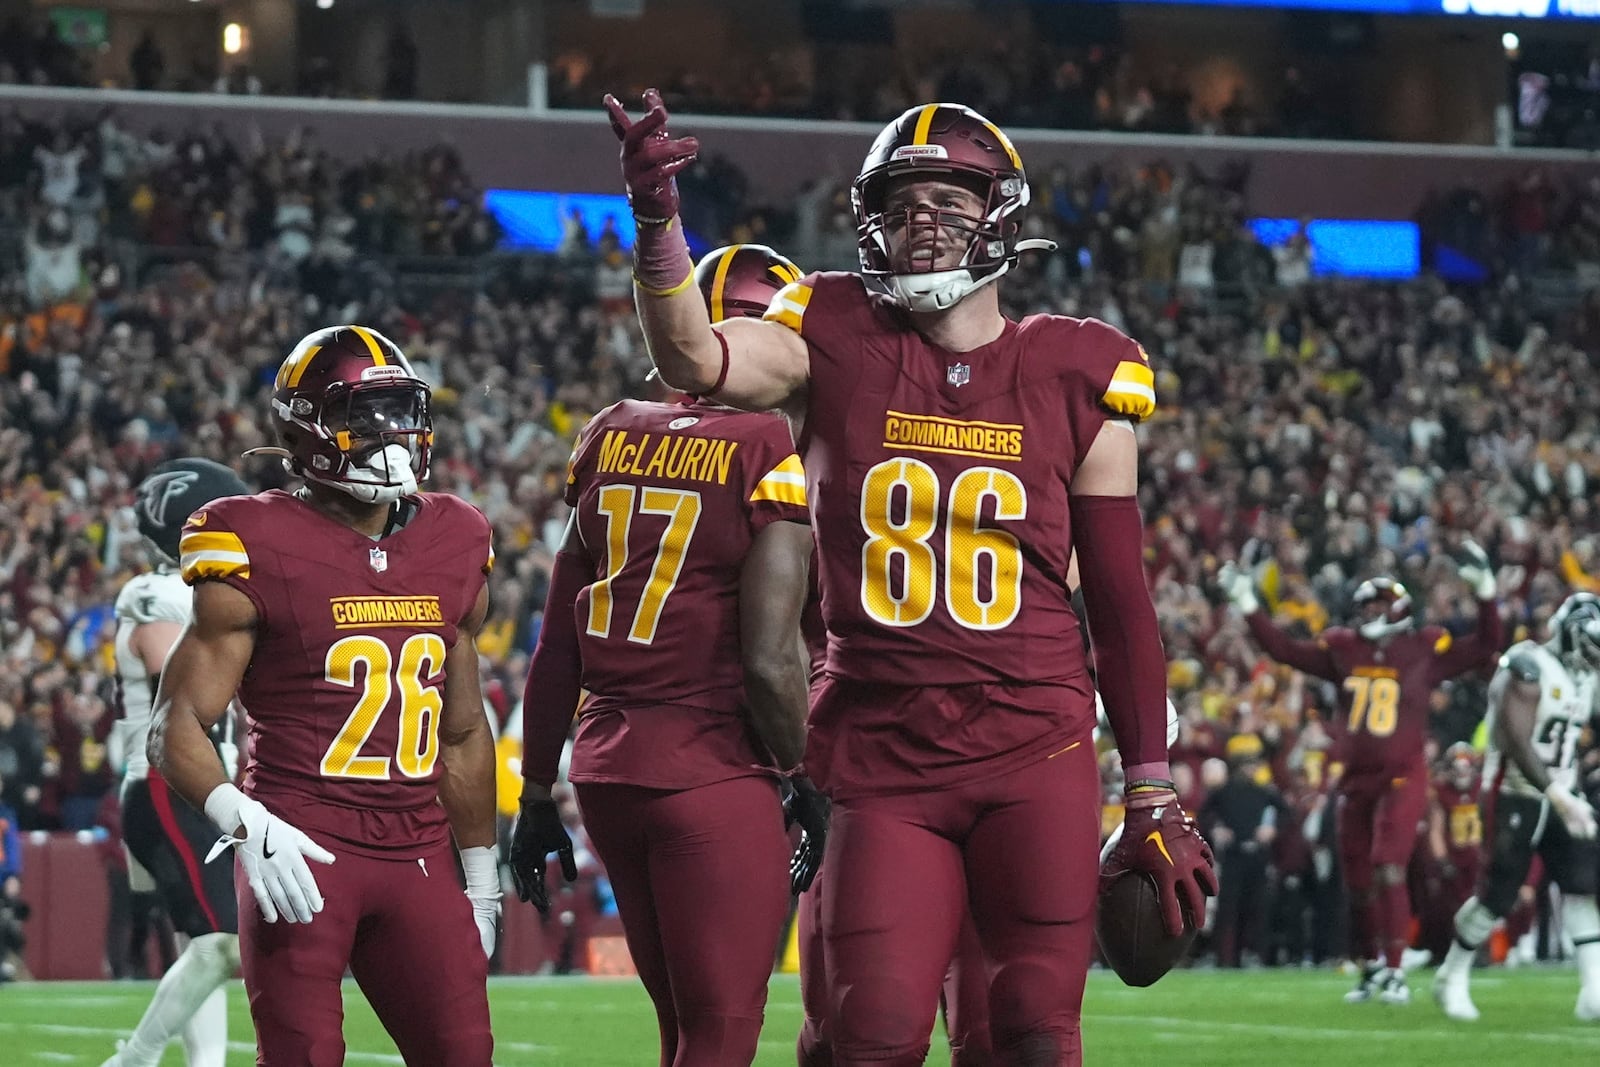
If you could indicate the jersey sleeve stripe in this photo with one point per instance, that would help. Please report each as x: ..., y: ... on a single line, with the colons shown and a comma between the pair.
x: 212, y: 541
x: 1441, y: 646
x: 783, y: 484
x: 196, y: 565
x: 1132, y: 390
x: 488, y: 566
x: 788, y: 307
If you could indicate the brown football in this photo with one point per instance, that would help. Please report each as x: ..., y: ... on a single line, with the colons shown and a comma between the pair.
x: 1132, y: 936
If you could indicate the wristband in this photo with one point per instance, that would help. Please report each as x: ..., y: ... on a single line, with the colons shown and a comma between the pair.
x: 222, y: 807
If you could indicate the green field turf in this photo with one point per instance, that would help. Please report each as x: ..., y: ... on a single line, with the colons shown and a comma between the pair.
x: 1192, y: 1018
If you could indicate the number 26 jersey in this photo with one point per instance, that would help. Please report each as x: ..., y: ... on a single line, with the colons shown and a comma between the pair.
x: 346, y: 685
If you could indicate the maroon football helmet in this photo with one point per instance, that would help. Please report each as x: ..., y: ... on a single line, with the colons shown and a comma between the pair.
x: 952, y: 143
x: 739, y: 281
x: 1461, y: 765
x: 1383, y: 608
x: 352, y: 414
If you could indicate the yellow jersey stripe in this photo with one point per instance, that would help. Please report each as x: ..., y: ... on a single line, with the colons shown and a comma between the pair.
x: 790, y: 465
x: 924, y: 123
x: 212, y: 541
x: 372, y: 345
x: 780, y: 489
x: 788, y: 308
x: 488, y: 567
x: 1441, y: 646
x: 196, y: 565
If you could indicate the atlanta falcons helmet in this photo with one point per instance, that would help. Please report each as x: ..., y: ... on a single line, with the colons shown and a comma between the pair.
x: 174, y: 491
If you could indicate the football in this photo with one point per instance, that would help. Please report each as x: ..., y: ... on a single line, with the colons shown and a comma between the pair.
x: 1132, y: 937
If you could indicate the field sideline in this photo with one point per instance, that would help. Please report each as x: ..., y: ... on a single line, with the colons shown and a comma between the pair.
x: 1192, y: 1018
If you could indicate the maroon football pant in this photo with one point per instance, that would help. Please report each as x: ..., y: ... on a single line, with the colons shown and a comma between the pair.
x: 1022, y: 850
x: 405, y: 930
x: 965, y: 996
x: 1378, y: 817
x: 701, y: 878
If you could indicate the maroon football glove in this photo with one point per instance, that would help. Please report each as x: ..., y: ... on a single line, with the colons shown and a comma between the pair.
x: 1158, y: 839
x: 650, y: 158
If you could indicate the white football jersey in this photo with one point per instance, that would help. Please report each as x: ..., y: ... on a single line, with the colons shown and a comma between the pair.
x: 1566, y: 703
x: 158, y: 596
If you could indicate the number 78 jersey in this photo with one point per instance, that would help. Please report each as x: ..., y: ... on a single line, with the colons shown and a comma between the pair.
x: 346, y: 684
x: 939, y: 485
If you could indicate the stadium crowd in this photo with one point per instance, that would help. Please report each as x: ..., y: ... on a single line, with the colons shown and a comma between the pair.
x: 1328, y: 430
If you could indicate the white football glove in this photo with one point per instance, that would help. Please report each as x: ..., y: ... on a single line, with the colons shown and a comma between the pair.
x: 1574, y: 811
x: 482, y: 870
x: 1474, y: 568
x: 272, y: 852
x: 1239, y: 587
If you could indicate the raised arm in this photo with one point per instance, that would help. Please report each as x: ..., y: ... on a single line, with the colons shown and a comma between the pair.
x: 749, y: 364
x: 1312, y: 657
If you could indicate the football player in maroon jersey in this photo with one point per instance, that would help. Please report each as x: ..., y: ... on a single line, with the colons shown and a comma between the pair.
x: 343, y: 614
x: 675, y: 602
x: 1387, y: 669
x: 954, y: 460
x: 1455, y: 845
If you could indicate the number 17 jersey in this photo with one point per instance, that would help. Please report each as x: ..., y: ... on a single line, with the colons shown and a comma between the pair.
x: 938, y: 484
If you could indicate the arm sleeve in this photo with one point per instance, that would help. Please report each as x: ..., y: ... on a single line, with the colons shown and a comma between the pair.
x: 1129, y: 659
x: 1451, y: 657
x: 1312, y: 657
x: 550, y: 697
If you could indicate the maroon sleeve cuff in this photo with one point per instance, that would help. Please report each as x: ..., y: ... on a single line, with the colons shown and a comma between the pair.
x: 1131, y: 665
x: 550, y: 697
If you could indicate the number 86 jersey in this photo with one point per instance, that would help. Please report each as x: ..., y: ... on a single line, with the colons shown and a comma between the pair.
x: 938, y: 484
x: 346, y: 684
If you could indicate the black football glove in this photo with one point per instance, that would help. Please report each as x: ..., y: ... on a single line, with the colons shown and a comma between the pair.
x: 809, y: 807
x: 538, y: 833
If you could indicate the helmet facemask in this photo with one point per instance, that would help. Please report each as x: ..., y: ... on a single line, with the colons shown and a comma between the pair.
x: 370, y: 440
x: 889, y: 235
x: 1384, y: 609
x: 1577, y: 627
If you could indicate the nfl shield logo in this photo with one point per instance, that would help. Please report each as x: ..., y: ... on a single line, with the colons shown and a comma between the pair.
x: 958, y: 375
x: 379, y: 560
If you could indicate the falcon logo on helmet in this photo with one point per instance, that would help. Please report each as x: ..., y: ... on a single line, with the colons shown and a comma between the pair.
x: 352, y: 414
x: 953, y: 143
x: 1384, y: 608
x: 1575, y: 627
x: 739, y: 281
x: 176, y: 490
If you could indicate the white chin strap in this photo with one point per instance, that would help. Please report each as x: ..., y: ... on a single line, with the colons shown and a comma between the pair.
x: 939, y: 290
x: 1378, y: 629
x: 383, y: 478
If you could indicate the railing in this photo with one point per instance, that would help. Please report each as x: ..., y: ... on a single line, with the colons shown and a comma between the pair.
x: 575, y: 151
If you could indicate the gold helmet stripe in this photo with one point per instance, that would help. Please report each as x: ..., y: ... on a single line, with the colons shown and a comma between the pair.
x: 924, y: 124
x: 372, y: 346
x: 719, y: 282
x: 289, y: 374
